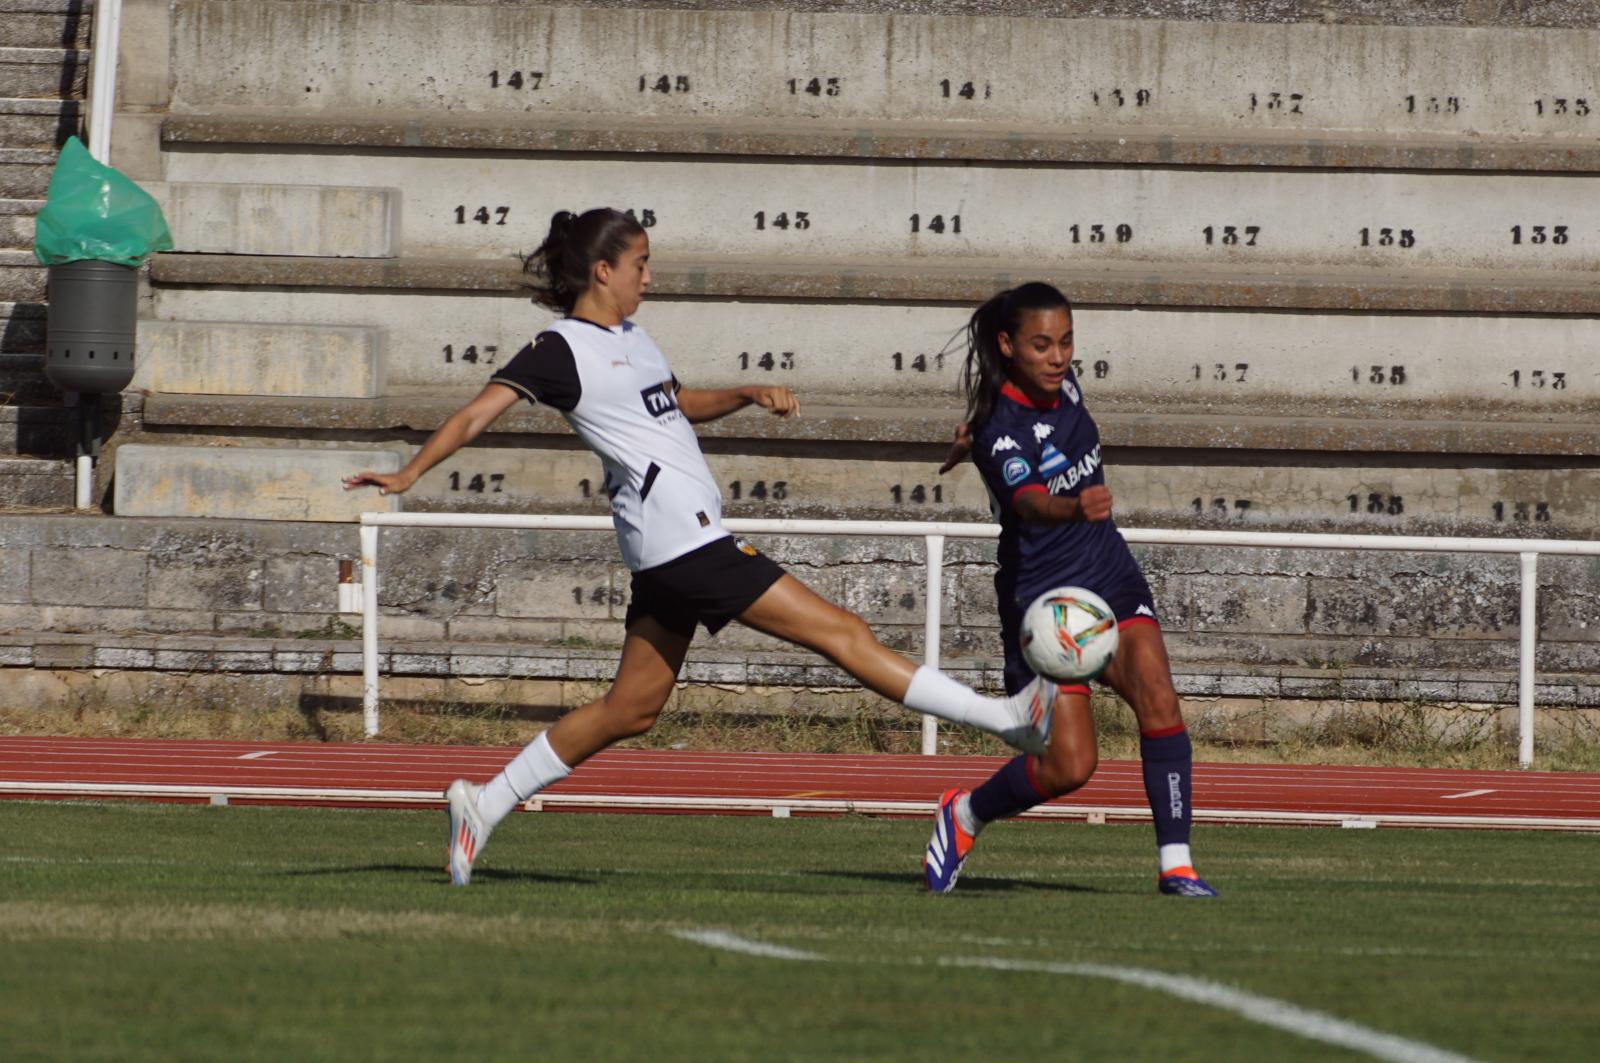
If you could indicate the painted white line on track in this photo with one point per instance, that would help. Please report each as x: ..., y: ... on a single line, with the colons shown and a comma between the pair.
x: 1267, y: 1011
x: 1469, y: 793
x: 258, y: 754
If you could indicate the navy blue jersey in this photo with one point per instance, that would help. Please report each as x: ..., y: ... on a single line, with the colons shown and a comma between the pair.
x: 1055, y: 449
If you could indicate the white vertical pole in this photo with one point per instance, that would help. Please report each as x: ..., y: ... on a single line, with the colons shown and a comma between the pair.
x: 931, y: 632
x: 369, y: 628
x: 103, y: 85
x: 102, y: 105
x: 1525, y: 657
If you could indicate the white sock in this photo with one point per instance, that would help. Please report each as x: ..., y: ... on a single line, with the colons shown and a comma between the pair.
x: 1175, y: 856
x: 536, y: 767
x: 964, y: 816
x: 935, y: 694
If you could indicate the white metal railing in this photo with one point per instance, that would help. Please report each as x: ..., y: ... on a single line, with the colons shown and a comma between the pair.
x: 934, y: 535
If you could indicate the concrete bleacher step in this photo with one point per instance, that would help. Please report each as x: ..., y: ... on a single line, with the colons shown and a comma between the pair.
x: 875, y: 139
x: 969, y: 283
x: 25, y: 172
x: 1231, y: 77
x: 240, y: 358
x: 245, y: 483
x: 22, y: 279
x: 865, y: 352
x: 856, y: 461
x: 45, y: 23
x: 22, y: 330
x: 1229, y: 221
x: 43, y: 73
x: 16, y: 223
x: 39, y: 124
x: 259, y: 219
x: 31, y: 484
x: 36, y: 431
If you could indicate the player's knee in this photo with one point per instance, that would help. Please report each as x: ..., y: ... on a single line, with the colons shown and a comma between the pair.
x: 1160, y: 709
x: 632, y: 714
x: 1064, y: 770
x: 843, y: 632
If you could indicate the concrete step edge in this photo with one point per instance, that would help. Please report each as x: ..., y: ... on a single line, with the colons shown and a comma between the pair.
x: 45, y: 56
x: 1227, y: 429
x: 799, y: 138
x: 46, y: 108
x: 965, y: 282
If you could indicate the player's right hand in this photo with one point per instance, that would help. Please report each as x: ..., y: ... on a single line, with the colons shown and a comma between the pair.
x: 1094, y: 502
x: 387, y: 483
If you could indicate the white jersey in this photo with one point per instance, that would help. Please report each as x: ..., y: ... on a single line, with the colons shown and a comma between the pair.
x: 615, y: 388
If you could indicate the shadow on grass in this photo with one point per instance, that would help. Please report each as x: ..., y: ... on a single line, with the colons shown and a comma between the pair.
x: 436, y: 873
x: 968, y: 884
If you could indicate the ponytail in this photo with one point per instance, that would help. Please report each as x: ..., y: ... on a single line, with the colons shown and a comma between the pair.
x: 984, y: 371
x: 561, y: 266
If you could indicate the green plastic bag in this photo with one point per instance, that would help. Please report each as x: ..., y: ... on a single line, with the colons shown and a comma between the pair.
x: 92, y: 211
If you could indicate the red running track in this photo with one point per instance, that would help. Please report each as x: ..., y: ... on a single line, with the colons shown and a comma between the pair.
x: 777, y: 783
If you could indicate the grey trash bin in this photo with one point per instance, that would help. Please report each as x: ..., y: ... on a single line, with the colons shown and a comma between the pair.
x: 93, y: 318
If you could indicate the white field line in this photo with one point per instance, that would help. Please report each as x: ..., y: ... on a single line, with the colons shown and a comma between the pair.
x: 1469, y: 793
x: 1267, y: 1011
x: 721, y: 939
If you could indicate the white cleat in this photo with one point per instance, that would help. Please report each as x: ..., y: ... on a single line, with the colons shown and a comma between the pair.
x: 1033, y: 708
x: 468, y: 832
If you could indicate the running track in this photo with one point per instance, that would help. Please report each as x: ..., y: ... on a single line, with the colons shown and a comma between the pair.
x: 779, y: 784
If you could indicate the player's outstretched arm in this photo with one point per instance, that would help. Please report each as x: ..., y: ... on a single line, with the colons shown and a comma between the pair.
x: 459, y: 429
x: 707, y: 404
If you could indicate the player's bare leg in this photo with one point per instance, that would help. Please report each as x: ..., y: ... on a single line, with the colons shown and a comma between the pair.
x: 1142, y: 674
x: 791, y: 611
x: 651, y: 658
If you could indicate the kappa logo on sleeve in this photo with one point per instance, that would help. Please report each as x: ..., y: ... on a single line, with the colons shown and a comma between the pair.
x: 1016, y: 470
x: 660, y: 400
x: 1003, y: 443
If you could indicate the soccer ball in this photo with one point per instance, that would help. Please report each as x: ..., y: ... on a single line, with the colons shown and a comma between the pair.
x: 1068, y: 634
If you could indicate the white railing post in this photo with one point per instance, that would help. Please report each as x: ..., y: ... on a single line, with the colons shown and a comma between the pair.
x: 931, y: 632
x: 103, y: 83
x: 1525, y: 659
x: 369, y: 628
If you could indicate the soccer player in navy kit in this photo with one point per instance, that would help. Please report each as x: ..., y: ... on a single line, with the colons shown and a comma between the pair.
x: 1038, y: 451
x: 618, y: 393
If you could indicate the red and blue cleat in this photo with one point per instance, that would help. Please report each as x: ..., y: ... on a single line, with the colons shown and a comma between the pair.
x: 1183, y: 882
x: 949, y: 847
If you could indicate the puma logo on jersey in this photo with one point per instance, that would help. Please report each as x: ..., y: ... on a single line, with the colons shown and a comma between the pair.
x: 660, y: 400
x: 1003, y: 443
x: 1042, y: 432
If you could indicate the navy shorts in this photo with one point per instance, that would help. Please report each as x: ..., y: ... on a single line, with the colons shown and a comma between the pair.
x: 710, y: 585
x: 1130, y: 600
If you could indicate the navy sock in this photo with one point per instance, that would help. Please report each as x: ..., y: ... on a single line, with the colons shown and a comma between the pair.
x: 1167, y: 757
x: 1008, y: 791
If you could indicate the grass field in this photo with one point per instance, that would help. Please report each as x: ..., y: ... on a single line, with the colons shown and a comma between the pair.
x: 132, y: 932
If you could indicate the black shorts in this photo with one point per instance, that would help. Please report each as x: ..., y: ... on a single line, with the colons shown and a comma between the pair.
x: 710, y: 586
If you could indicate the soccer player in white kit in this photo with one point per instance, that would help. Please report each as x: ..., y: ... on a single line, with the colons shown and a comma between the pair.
x: 615, y: 388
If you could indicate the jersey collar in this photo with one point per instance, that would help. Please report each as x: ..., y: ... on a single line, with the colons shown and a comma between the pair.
x: 1015, y: 394
x: 586, y: 321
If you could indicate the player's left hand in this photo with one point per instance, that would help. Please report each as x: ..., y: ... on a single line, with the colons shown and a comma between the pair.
x: 959, y: 449
x: 780, y: 401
